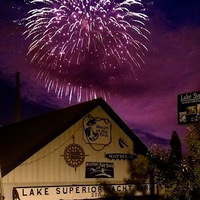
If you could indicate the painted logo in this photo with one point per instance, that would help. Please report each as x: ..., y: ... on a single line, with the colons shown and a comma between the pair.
x: 74, y: 155
x: 122, y: 143
x: 96, y: 131
x: 99, y: 170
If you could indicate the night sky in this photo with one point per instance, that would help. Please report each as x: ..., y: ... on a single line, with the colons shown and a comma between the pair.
x: 147, y: 103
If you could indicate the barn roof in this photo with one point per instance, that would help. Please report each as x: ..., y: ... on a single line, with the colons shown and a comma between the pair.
x: 19, y: 141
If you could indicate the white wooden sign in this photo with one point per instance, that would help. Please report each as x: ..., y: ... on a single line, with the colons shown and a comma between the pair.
x: 74, y: 192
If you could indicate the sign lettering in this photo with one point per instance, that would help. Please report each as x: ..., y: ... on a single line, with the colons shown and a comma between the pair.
x: 189, y: 108
x: 75, y: 192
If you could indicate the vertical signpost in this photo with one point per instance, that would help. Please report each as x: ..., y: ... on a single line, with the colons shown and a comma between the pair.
x: 189, y: 108
x: 18, y: 98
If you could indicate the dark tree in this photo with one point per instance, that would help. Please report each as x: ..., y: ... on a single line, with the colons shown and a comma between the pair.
x: 175, y: 157
x: 176, y: 149
x: 179, y: 174
x: 166, y: 164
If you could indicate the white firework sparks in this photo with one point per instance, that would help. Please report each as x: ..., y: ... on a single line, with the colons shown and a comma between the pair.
x: 68, y: 34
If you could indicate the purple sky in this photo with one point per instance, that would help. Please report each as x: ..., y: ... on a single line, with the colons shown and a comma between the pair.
x: 149, y: 104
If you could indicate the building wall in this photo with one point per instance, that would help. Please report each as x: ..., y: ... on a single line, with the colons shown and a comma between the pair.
x: 91, y: 142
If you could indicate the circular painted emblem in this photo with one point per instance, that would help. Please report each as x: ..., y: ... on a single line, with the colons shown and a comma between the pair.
x: 74, y: 155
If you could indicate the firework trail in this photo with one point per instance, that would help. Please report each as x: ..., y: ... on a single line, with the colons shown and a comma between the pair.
x: 71, y: 37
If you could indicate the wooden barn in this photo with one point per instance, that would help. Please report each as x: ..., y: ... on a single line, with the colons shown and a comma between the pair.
x: 71, y: 153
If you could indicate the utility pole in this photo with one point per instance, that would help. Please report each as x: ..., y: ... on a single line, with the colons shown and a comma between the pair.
x: 18, y: 98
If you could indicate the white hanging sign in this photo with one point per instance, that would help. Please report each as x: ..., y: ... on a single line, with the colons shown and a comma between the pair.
x: 74, y: 192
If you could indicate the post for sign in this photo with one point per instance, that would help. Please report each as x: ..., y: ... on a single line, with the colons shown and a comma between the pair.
x: 18, y: 98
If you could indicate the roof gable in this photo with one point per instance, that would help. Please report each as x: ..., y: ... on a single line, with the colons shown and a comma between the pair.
x: 21, y: 140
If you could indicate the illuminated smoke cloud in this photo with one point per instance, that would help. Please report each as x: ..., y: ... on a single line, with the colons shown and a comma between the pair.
x: 74, y: 42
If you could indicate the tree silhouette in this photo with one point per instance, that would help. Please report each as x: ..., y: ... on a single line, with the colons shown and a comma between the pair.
x: 176, y: 148
x: 138, y: 171
x: 180, y: 174
x: 166, y: 164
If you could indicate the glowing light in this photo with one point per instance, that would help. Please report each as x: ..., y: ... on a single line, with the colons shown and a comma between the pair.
x: 66, y: 34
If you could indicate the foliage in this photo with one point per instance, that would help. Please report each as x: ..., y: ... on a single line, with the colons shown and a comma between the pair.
x: 166, y: 164
x: 138, y: 171
x: 180, y: 174
x: 176, y: 149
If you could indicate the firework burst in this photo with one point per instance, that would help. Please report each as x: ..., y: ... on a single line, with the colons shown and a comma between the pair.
x: 70, y: 37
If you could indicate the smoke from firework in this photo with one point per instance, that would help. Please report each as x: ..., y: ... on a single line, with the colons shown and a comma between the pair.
x: 74, y: 41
